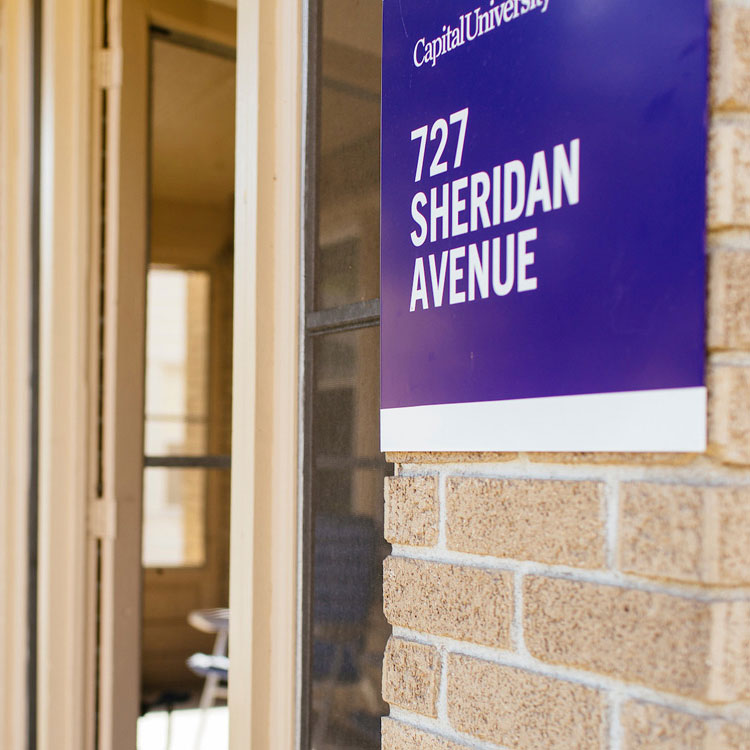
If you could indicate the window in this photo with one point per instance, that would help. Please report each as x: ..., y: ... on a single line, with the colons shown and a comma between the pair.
x: 176, y: 422
x: 345, y: 631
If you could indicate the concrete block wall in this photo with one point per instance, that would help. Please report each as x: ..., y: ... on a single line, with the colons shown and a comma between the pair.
x: 591, y: 601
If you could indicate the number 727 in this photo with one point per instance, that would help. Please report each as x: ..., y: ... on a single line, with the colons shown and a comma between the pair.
x: 440, y: 130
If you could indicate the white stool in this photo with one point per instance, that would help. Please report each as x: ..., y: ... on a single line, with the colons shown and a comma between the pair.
x: 216, y: 666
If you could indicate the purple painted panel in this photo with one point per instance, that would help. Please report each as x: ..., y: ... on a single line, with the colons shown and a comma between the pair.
x: 550, y: 241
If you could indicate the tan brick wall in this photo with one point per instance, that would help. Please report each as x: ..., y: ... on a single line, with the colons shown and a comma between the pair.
x: 553, y: 522
x: 692, y: 533
x: 729, y: 164
x: 596, y: 601
x: 520, y: 709
x: 657, y: 640
x: 728, y: 300
x: 397, y: 736
x: 730, y: 50
x: 650, y: 727
x: 729, y: 413
x: 461, y: 602
x: 411, y: 510
x: 411, y: 676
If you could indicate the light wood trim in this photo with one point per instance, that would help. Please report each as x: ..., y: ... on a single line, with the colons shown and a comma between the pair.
x: 68, y: 271
x: 64, y: 225
x: 122, y: 449
x: 15, y: 368
x: 263, y: 572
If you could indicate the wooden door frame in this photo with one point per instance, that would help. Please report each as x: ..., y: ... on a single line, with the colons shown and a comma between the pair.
x: 79, y: 522
x: 64, y: 385
x: 73, y: 511
x: 263, y: 569
x: 264, y: 686
x: 17, y: 95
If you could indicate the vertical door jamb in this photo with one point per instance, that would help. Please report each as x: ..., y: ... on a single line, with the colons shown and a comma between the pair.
x: 63, y: 385
x: 263, y: 685
x: 124, y: 68
x: 18, y: 96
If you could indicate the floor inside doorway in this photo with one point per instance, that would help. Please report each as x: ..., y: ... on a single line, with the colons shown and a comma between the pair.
x: 178, y: 729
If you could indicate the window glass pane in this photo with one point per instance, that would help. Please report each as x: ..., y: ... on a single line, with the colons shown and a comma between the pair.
x: 348, y: 466
x: 174, y: 502
x: 349, y: 630
x: 177, y: 363
x: 347, y: 257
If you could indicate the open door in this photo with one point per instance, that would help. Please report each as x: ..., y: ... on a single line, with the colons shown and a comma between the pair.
x: 122, y: 186
x: 120, y: 178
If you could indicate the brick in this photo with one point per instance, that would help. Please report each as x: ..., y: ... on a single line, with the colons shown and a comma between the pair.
x: 730, y: 652
x: 647, y: 459
x: 650, y: 727
x: 523, y: 710
x: 730, y: 737
x: 729, y: 176
x: 398, y: 736
x: 411, y: 676
x: 412, y: 510
x: 729, y: 300
x: 527, y: 519
x: 685, y: 533
x: 729, y: 413
x: 699, y: 649
x: 466, y: 603
x: 438, y: 457
x: 657, y: 640
x: 733, y: 537
x: 730, y: 56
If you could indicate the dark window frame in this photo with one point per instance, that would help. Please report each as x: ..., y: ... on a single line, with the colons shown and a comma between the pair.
x: 313, y: 323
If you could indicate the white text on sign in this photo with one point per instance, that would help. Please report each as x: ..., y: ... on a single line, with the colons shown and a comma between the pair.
x: 478, y: 201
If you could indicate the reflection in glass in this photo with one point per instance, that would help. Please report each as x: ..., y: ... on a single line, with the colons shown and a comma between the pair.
x: 348, y: 632
x: 348, y: 467
x: 347, y: 265
x: 349, y: 629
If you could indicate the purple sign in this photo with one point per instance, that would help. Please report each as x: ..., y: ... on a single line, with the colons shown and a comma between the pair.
x: 543, y: 209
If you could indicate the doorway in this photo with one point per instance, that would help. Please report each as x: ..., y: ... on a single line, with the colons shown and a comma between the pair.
x: 188, y: 384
